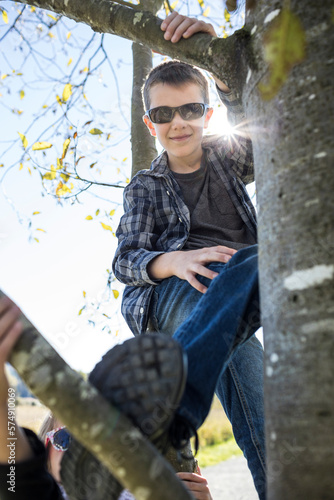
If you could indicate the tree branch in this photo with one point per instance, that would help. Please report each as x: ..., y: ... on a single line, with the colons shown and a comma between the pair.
x: 109, y: 435
x: 221, y: 57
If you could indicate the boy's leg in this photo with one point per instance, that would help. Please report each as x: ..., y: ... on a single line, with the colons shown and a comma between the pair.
x: 240, y: 385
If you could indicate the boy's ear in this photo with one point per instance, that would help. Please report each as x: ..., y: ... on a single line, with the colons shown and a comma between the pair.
x: 149, y: 125
x: 207, y: 117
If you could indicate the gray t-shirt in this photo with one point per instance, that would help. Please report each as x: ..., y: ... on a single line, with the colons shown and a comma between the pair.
x: 213, y: 216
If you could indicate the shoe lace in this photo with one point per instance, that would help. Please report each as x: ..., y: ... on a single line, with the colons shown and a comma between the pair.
x: 180, y: 432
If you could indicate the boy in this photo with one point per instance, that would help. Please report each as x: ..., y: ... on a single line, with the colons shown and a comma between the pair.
x: 186, y: 248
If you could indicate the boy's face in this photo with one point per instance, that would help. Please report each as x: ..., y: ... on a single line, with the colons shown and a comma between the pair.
x: 180, y: 138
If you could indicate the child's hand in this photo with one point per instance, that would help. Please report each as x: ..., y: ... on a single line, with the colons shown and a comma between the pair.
x: 10, y: 330
x: 196, y: 484
x: 176, y: 27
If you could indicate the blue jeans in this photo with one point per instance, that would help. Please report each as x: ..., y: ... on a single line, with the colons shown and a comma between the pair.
x: 216, y: 331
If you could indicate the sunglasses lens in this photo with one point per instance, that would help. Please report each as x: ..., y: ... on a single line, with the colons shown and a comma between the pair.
x: 192, y: 111
x: 61, y: 439
x: 162, y: 114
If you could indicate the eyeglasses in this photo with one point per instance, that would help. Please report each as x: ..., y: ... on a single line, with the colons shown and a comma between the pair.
x: 165, y: 114
x: 60, y: 438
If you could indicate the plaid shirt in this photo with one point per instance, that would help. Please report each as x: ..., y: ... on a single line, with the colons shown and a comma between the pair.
x: 156, y: 219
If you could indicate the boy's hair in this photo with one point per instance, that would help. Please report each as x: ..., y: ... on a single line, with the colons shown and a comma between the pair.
x: 175, y: 73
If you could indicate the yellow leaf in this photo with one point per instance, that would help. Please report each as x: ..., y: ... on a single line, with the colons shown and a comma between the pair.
x: 59, y: 100
x: 89, y: 217
x: 38, y: 146
x: 4, y: 76
x: 53, y: 17
x: 32, y: 9
x: 70, y: 61
x: 24, y: 140
x: 45, y: 106
x: 67, y: 92
x: 97, y: 211
x: 174, y: 4
x: 1, y: 165
x: 115, y: 293
x: 65, y: 147
x: 84, y: 294
x: 227, y: 16
x: 29, y: 170
x: 21, y: 166
x: 127, y: 180
x: 36, y: 239
x: 5, y: 16
x: 59, y: 163
x: 79, y: 313
x: 284, y: 47
x: 63, y: 189
x: 112, y: 212
x: 106, y: 227
x: 84, y: 70
x: 50, y: 176
x: 201, y: 3
x: 36, y: 213
x: 95, y: 131
x: 22, y: 94
x: 206, y: 12
x: 68, y: 36
x: 65, y: 177
x: 51, y: 35
x: 92, y: 164
x: 42, y: 230
x: 124, y: 159
x: 85, y: 97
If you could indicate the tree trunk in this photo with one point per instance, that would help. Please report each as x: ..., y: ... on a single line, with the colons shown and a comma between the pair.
x: 97, y: 425
x: 293, y: 147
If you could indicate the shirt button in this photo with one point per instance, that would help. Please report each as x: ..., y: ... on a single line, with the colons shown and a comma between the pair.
x: 180, y: 219
x: 141, y: 310
x: 178, y: 246
x: 167, y: 192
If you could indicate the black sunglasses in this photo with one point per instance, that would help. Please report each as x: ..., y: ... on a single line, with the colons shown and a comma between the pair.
x: 165, y: 114
x: 60, y: 438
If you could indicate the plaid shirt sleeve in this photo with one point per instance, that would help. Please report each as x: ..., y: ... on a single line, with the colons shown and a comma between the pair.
x: 240, y: 151
x: 136, y: 237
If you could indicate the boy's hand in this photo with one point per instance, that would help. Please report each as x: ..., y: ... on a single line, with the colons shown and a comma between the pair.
x: 177, y: 26
x: 10, y: 330
x: 186, y: 264
x: 196, y: 484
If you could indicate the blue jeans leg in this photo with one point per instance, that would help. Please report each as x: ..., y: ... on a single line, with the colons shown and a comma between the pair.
x: 214, y: 333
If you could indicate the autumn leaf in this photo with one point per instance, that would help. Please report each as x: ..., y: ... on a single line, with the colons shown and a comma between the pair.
x: 38, y: 146
x: 92, y: 164
x: 65, y: 177
x: 67, y: 92
x: 65, y: 147
x: 70, y: 61
x: 95, y: 131
x: 36, y: 213
x: 24, y: 140
x: 115, y: 293
x: 21, y: 166
x: 106, y: 227
x: 97, y: 212
x: 84, y: 294
x: 52, y: 17
x: 89, y: 217
x: 59, y: 101
x: 22, y: 94
x: 227, y: 16
x: 284, y: 47
x: 5, y: 16
x: 50, y: 176
x: 63, y: 189
x: 42, y: 230
x: 1, y: 165
x: 112, y: 212
x: 206, y: 12
x: 68, y: 36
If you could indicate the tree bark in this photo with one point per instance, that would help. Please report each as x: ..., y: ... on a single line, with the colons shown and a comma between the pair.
x: 293, y: 146
x: 95, y: 423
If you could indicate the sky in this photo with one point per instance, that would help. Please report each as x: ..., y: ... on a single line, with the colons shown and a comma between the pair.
x: 54, y: 278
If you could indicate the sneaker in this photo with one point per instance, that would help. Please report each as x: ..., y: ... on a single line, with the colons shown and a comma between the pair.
x: 145, y: 378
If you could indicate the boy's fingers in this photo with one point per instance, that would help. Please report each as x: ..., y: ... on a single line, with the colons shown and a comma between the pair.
x: 196, y: 284
x: 8, y: 318
x: 191, y: 476
x: 165, y: 23
x: 7, y: 343
x: 5, y: 303
x: 200, y: 27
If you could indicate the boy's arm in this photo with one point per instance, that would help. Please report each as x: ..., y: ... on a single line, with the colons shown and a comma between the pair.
x: 136, y: 237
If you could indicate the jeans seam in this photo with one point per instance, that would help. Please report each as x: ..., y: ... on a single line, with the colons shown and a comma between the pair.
x: 247, y: 415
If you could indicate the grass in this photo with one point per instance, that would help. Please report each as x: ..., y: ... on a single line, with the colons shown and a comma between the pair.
x: 214, y: 454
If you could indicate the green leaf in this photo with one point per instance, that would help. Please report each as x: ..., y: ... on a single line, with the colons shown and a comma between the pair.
x: 284, y: 47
